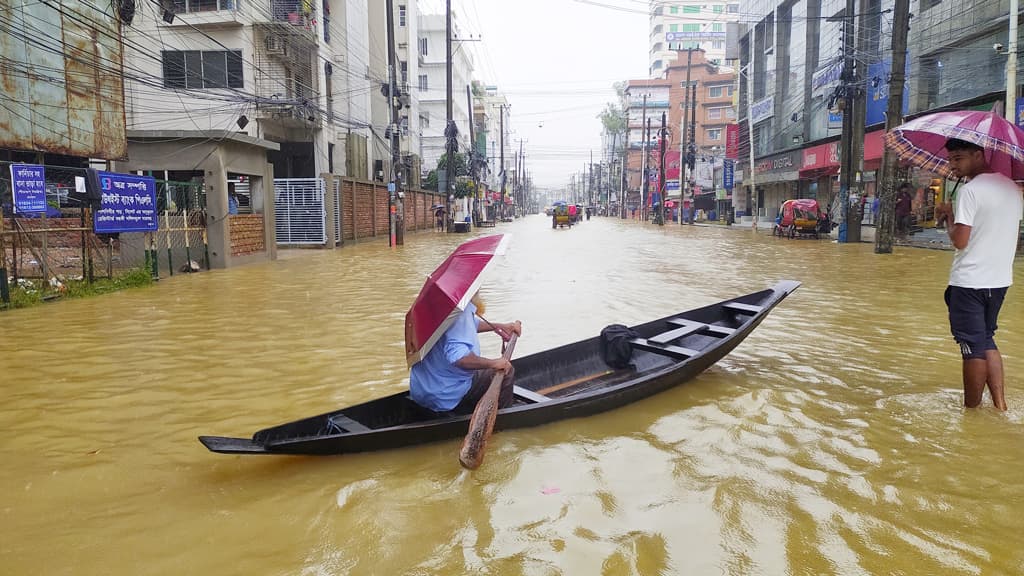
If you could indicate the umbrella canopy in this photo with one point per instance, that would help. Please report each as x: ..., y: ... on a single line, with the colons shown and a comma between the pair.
x: 447, y: 292
x: 922, y: 141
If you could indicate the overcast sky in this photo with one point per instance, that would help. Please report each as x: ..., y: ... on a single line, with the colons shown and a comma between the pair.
x: 556, y: 61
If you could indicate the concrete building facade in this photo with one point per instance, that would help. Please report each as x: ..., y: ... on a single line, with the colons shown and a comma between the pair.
x: 677, y: 25
x: 432, y: 89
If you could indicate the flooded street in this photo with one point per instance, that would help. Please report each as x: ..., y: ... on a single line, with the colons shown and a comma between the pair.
x: 832, y: 441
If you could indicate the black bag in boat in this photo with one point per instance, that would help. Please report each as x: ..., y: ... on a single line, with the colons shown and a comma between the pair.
x: 615, y: 347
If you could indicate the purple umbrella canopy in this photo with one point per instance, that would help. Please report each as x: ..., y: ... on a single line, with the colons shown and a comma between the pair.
x: 921, y: 142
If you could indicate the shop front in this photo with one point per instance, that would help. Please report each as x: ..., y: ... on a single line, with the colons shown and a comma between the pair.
x: 778, y: 180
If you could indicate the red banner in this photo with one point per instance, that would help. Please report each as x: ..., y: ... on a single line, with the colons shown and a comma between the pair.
x: 732, y: 141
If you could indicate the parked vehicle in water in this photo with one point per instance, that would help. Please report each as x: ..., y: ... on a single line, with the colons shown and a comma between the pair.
x: 798, y: 218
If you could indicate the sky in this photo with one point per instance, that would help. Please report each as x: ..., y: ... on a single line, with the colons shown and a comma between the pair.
x: 556, y: 61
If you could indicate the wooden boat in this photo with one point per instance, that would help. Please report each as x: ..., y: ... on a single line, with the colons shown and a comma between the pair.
x: 564, y: 382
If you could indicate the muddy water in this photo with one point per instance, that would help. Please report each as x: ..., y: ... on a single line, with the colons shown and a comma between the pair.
x: 831, y: 442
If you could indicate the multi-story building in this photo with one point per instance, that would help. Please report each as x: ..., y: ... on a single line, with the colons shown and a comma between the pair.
x: 431, y: 85
x: 645, y: 100
x: 283, y: 71
x: 489, y: 107
x: 680, y: 24
x: 406, y: 25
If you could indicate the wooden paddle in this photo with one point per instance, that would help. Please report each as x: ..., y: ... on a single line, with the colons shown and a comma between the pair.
x: 482, y: 423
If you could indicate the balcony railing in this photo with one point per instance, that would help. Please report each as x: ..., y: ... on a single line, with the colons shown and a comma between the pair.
x: 295, y: 12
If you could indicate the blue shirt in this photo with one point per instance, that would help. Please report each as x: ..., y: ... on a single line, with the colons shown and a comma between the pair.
x: 436, y: 382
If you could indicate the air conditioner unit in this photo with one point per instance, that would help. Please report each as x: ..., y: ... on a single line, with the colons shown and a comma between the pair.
x: 276, y: 45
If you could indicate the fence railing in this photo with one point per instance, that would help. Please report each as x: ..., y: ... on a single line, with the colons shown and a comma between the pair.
x: 299, y: 211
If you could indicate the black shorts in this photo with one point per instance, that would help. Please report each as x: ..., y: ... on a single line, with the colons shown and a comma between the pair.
x: 972, y: 318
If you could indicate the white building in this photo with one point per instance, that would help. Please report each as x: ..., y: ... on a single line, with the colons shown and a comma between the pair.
x: 293, y: 72
x: 681, y: 24
x: 406, y: 68
x: 492, y: 105
x: 430, y: 84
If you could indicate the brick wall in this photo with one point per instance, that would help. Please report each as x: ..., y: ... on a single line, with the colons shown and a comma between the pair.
x: 365, y: 209
x: 246, y: 234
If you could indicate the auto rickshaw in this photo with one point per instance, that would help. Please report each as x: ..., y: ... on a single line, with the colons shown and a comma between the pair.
x: 798, y: 218
x: 560, y: 215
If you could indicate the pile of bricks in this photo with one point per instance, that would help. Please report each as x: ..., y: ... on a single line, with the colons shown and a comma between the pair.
x: 246, y: 234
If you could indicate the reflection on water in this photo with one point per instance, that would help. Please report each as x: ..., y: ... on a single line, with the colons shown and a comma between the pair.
x: 831, y: 442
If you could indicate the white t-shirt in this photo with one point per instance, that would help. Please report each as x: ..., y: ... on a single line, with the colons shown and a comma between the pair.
x: 991, y: 205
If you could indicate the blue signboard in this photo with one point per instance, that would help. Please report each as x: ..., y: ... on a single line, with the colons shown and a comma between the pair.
x: 1019, y: 120
x: 729, y: 174
x: 28, y: 182
x: 677, y: 36
x: 128, y: 204
x: 878, y: 91
x: 835, y: 120
x: 671, y: 186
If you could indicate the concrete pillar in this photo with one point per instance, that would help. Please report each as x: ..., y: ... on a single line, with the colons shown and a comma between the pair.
x: 269, y: 213
x: 217, y: 224
x: 328, y: 179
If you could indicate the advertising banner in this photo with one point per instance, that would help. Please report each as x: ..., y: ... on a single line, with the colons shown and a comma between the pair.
x: 732, y: 141
x: 878, y: 91
x: 128, y: 204
x: 729, y: 174
x: 28, y: 183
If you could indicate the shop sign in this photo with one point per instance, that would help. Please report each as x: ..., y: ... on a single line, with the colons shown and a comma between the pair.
x: 878, y: 91
x: 821, y: 156
x: 762, y: 109
x: 778, y: 163
x: 826, y: 77
x: 677, y: 36
x: 729, y: 174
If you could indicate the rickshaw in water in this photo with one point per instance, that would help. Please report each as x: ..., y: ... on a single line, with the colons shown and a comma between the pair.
x: 562, y: 214
x: 801, y: 217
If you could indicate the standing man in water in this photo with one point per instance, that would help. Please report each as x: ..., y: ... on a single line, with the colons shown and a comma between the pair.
x: 986, y: 223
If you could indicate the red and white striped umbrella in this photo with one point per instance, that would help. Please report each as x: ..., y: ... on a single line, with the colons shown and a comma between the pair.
x: 922, y: 141
x: 447, y: 292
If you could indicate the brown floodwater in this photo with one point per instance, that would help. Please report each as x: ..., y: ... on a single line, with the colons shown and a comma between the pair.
x: 832, y: 441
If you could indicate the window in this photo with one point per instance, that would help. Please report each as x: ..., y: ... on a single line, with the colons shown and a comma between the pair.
x: 733, y: 9
x: 424, y: 121
x: 194, y: 69
x: 423, y: 46
x: 327, y: 21
x: 673, y: 10
x: 691, y: 9
x: 926, y: 4
x: 715, y: 113
x: 718, y: 45
x: 328, y: 72
x: 673, y: 27
x: 714, y: 134
x: 423, y: 83
x: 718, y: 27
x: 691, y: 27
x: 185, y: 6
x: 717, y: 8
x: 401, y: 15
x: 404, y: 125
x: 405, y: 71
x: 690, y: 44
x: 730, y: 113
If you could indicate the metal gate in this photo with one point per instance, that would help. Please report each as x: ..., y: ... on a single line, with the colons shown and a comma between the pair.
x: 337, y: 211
x: 299, y: 209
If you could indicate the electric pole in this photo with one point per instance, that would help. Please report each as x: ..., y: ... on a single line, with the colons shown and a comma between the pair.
x: 396, y: 220
x: 847, y: 153
x: 659, y: 211
x: 684, y: 134
x: 894, y: 117
x: 691, y: 150
x: 750, y: 127
x: 501, y: 128
x: 853, y: 227
x: 471, y: 159
x: 644, y: 128
x: 450, y: 131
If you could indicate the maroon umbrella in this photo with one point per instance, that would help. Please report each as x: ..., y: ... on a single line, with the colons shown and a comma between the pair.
x: 922, y: 141
x: 447, y: 292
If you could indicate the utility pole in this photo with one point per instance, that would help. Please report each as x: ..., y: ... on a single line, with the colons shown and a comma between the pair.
x: 1011, y: 64
x: 662, y: 136
x: 644, y: 128
x: 520, y: 200
x: 622, y: 173
x: 853, y: 227
x: 750, y: 126
x: 501, y: 128
x: 590, y: 182
x: 450, y: 131
x: 471, y: 158
x: 683, y: 134
x: 647, y: 181
x: 893, y: 118
x: 691, y: 149
x: 396, y: 228
x: 847, y: 153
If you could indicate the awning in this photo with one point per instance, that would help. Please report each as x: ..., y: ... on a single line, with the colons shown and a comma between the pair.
x: 874, y: 145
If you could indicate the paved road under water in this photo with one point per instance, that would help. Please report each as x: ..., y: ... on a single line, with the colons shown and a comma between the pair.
x: 831, y: 442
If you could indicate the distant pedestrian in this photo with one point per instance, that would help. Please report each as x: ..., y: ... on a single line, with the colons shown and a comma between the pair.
x: 903, y: 211
x: 439, y: 218
x: 875, y: 206
x: 986, y: 224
